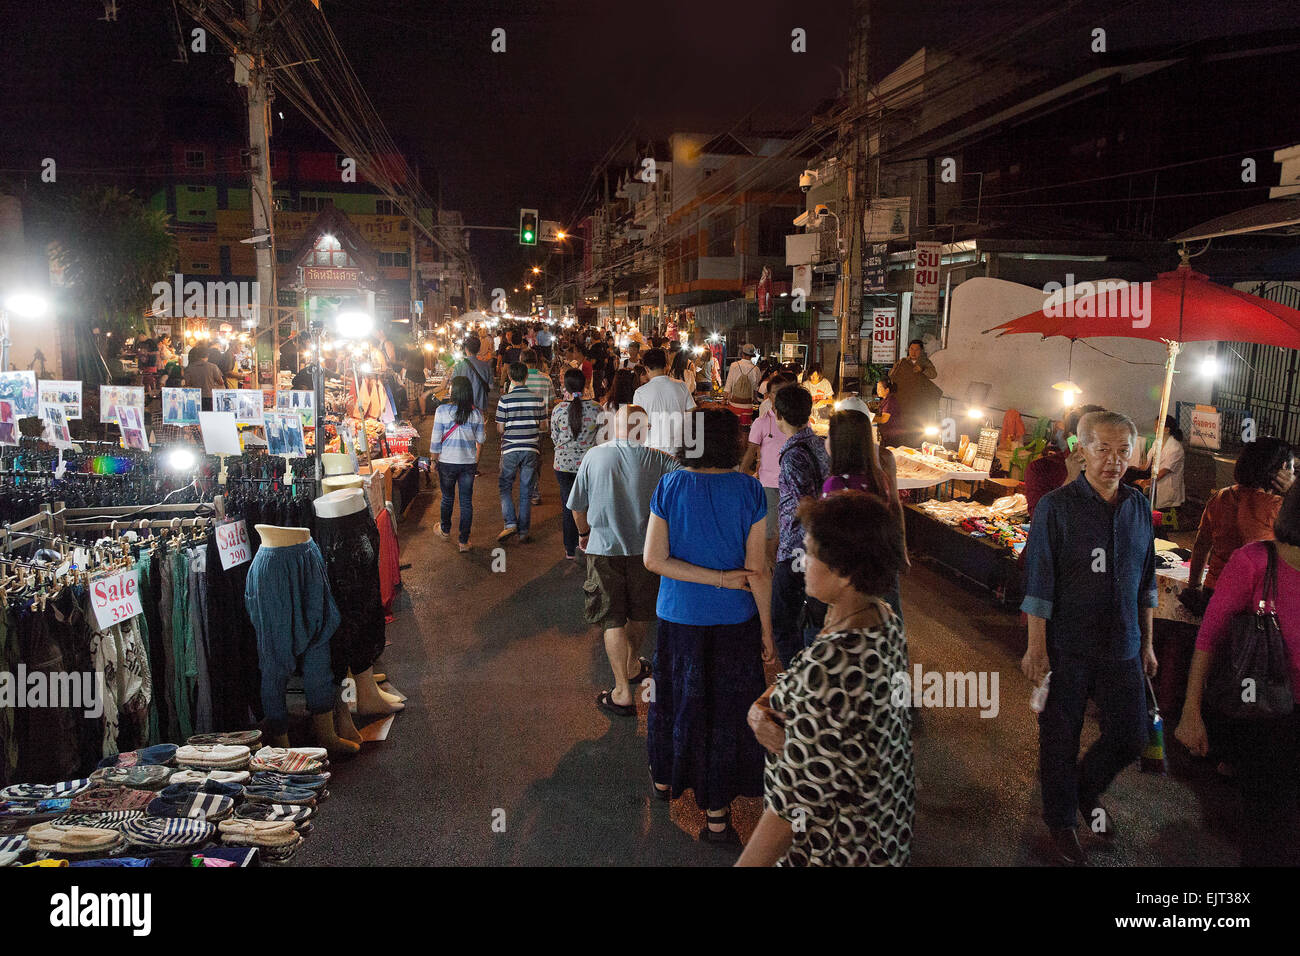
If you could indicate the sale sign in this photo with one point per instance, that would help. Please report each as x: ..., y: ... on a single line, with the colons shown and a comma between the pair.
x: 116, y: 598
x: 232, y: 544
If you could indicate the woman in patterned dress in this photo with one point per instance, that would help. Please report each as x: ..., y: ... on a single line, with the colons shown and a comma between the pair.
x: 838, y: 786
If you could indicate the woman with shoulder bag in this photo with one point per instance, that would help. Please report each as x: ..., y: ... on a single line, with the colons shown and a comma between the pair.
x: 455, y: 446
x: 1264, y: 746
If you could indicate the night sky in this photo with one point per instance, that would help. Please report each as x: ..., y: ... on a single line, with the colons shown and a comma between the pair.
x: 495, y: 132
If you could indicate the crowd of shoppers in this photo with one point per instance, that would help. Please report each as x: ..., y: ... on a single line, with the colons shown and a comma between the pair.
x: 783, y: 554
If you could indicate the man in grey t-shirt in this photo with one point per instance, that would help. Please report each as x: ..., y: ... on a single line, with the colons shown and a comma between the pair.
x: 610, y: 503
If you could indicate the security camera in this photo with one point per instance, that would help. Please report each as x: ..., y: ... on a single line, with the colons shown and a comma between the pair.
x: 806, y: 180
x: 821, y: 210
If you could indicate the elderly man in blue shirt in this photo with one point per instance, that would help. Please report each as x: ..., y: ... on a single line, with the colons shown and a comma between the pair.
x: 1090, y: 595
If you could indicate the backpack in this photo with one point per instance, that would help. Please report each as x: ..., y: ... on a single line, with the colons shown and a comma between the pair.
x: 742, y: 390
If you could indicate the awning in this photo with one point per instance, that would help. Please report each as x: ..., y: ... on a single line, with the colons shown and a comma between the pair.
x: 1280, y: 214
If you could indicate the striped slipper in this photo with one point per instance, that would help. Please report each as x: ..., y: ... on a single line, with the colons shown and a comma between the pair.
x: 208, y: 807
x: 274, y: 811
x: 252, y: 739
x: 210, y: 776
x: 35, y: 792
x: 295, y: 796
x: 12, y: 847
x: 213, y: 757
x: 294, y: 760
x: 168, y: 832
x: 107, y: 820
x: 261, y: 833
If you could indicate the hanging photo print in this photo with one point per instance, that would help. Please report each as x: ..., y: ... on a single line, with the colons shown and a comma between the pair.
x: 180, y: 406
x: 8, y: 423
x: 284, y: 434
x: 113, y: 398
x: 301, y: 402
x: 131, y: 420
x: 56, y: 426
x: 244, y: 403
x: 67, y: 395
x: 20, y: 388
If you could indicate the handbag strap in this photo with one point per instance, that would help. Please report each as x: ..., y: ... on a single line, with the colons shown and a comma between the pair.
x: 1268, y: 598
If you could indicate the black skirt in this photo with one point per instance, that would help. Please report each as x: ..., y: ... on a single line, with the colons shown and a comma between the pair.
x: 350, y: 545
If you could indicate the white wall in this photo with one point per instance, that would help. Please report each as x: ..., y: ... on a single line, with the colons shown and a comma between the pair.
x: 1023, y: 368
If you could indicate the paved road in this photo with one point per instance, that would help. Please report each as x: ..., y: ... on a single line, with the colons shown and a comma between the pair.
x: 501, y: 730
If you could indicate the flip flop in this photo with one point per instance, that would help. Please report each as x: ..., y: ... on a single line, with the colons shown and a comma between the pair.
x: 606, y: 703
x: 644, y: 674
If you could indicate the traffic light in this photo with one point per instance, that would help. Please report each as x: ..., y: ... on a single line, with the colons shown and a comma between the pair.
x: 528, y: 227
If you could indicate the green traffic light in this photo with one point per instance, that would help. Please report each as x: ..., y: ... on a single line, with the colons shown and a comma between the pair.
x: 528, y: 236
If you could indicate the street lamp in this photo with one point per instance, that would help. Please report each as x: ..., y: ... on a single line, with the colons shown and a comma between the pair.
x: 353, y: 325
x: 26, y: 305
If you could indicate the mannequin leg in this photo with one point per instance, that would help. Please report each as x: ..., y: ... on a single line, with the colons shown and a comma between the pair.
x: 372, y: 700
x: 343, y: 721
x: 322, y: 697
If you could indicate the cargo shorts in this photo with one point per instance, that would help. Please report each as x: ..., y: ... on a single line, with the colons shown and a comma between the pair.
x: 618, y: 589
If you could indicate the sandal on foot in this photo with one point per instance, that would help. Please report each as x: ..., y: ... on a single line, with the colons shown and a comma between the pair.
x: 605, y: 701
x: 665, y: 794
x: 727, y: 837
x: 643, y: 674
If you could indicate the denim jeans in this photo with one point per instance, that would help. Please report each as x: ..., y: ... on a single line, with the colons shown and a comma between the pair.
x: 524, y: 465
x: 451, y: 478
x: 566, y: 480
x: 1120, y: 693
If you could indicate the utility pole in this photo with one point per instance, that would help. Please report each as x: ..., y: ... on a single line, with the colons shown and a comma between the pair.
x: 259, y: 173
x: 857, y: 181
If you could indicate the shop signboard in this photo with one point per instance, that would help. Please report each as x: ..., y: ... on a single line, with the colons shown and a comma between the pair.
x: 884, y: 336
x: 925, y: 283
x: 324, y: 278
x: 887, y: 218
x: 1205, y: 427
x: 875, y: 264
x: 115, y: 598
x: 232, y: 544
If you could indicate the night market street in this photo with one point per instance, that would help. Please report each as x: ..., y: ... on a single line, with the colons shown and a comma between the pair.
x: 502, y: 675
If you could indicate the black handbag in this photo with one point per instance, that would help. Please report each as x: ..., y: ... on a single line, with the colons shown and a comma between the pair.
x: 1251, y: 679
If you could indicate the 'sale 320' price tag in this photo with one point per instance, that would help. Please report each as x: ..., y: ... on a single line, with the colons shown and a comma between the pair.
x: 115, y: 598
x: 232, y: 544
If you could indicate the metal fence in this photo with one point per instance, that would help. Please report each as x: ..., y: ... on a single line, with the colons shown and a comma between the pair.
x: 1259, y: 382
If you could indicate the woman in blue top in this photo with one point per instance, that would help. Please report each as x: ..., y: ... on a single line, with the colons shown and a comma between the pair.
x: 706, y: 539
x: 454, y: 446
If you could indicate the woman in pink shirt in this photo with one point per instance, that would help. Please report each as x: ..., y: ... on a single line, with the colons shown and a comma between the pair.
x: 1265, y: 752
x: 765, y: 441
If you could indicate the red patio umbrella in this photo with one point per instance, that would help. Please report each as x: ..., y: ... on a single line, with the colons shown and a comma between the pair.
x: 1179, y: 306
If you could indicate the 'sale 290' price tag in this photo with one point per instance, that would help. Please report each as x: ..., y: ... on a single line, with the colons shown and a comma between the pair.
x: 232, y: 544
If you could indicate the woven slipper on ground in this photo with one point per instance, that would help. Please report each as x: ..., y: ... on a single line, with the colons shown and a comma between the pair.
x: 62, y: 840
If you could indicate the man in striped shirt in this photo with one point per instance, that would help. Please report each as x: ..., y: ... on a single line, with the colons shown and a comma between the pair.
x: 520, y: 414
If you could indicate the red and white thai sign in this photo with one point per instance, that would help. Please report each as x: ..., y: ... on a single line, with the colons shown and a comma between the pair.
x: 116, y: 598
x: 232, y: 544
x: 324, y: 278
x: 925, y: 284
x: 884, y: 336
